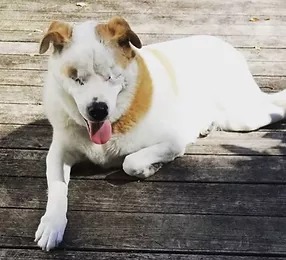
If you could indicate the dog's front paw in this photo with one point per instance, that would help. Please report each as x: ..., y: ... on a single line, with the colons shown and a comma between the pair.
x: 50, y: 231
x: 138, y: 168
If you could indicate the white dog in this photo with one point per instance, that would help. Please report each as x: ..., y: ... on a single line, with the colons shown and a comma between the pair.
x: 117, y: 105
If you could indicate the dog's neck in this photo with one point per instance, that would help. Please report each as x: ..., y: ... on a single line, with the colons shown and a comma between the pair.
x: 135, y: 101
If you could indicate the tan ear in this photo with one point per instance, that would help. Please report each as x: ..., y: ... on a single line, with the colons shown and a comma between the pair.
x: 118, y: 30
x: 59, y: 33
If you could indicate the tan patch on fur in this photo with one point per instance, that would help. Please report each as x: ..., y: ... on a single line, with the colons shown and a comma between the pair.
x: 70, y: 71
x: 59, y: 33
x: 141, y: 101
x: 118, y: 35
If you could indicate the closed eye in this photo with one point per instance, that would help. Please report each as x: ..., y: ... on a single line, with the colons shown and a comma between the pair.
x: 79, y: 81
x: 118, y: 76
x: 72, y: 73
x: 105, y: 77
x: 113, y: 78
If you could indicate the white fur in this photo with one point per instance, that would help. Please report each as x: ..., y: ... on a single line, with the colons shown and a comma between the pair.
x: 214, y: 84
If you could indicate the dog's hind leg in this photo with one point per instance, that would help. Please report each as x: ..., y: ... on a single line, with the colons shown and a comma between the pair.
x: 278, y: 99
x: 269, y: 108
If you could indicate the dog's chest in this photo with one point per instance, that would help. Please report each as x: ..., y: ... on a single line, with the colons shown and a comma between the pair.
x: 108, y: 154
x: 78, y: 142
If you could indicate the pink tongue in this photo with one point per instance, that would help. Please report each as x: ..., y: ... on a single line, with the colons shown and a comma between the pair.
x: 100, y: 133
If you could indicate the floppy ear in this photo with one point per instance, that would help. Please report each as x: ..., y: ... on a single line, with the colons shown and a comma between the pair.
x: 119, y: 31
x: 59, y: 33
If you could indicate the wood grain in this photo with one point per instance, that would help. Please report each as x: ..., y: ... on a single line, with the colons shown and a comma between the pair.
x: 174, y: 17
x: 21, y: 113
x: 163, y: 26
x: 24, y: 254
x: 14, y: 94
x: 212, y: 29
x: 194, y: 168
x: 263, y: 7
x: 147, y: 231
x: 154, y: 197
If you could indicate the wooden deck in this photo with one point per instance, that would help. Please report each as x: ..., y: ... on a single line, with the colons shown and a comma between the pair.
x: 225, y: 199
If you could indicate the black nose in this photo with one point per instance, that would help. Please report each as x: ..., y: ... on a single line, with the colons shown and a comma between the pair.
x: 98, y: 111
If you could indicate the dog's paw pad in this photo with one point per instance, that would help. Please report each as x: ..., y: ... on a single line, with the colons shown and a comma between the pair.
x: 50, y: 232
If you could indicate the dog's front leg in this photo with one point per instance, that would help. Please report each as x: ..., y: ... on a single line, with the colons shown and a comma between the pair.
x: 149, y: 160
x: 52, y: 226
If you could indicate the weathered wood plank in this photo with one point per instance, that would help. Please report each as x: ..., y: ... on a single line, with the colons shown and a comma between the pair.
x: 276, y: 7
x: 267, y: 55
x: 162, y: 25
x: 24, y: 254
x: 194, y: 168
x: 27, y: 136
x: 21, y: 94
x: 267, y: 68
x: 271, y: 84
x: 164, y: 232
x: 271, y: 142
x: 177, y: 19
x: 22, y: 77
x: 183, y: 3
x: 195, y: 18
x: 18, y: 61
x: 159, y: 197
x: 21, y: 36
x: 21, y: 113
x: 19, y: 48
x: 148, y: 38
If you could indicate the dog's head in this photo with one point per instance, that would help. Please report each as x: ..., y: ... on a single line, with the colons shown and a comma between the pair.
x: 91, y: 60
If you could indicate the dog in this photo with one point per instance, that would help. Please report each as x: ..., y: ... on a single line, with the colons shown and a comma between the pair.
x: 117, y: 104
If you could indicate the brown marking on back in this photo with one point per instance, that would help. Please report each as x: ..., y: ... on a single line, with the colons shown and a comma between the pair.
x: 118, y: 35
x: 141, y: 102
x: 59, y: 33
